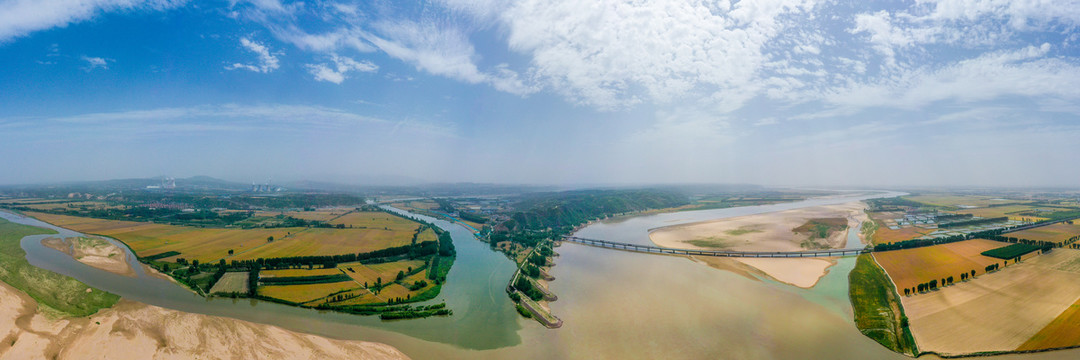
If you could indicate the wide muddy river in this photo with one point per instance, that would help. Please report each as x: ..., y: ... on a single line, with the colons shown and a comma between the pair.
x: 614, y: 304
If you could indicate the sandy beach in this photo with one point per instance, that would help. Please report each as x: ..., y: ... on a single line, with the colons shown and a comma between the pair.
x: 98, y: 253
x: 133, y: 330
x: 764, y: 232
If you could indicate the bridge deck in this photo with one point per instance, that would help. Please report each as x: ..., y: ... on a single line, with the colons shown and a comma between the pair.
x: 755, y: 254
x: 719, y: 253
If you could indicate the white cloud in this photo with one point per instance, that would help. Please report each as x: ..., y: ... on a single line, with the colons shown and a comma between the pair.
x: 267, y: 61
x: 21, y: 17
x: 615, y: 54
x: 441, y: 50
x: 341, y: 38
x: 226, y: 117
x: 337, y: 71
x: 95, y: 63
x: 602, y: 53
x: 1025, y: 72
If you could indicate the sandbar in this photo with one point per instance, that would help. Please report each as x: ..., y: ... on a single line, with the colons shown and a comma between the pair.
x: 132, y: 330
x: 764, y: 232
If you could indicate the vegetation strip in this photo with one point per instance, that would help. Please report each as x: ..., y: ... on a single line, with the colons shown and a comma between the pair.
x: 49, y: 289
x: 295, y: 280
x: 878, y: 312
x: 1012, y: 251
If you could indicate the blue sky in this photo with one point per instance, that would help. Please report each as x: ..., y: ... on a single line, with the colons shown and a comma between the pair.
x: 777, y: 92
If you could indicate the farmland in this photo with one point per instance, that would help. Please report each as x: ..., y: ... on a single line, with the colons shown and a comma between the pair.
x: 1012, y: 251
x: 304, y: 293
x: 911, y: 267
x: 384, y: 259
x: 211, y: 244
x: 958, y: 201
x: 1056, y: 233
x: 323, y: 241
x: 1010, y: 211
x: 231, y: 282
x: 1063, y: 331
x: 364, y: 284
x: 316, y: 215
x: 298, y: 272
x: 999, y: 312
x: 375, y: 220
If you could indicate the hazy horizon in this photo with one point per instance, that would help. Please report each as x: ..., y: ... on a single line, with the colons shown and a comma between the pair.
x: 544, y: 92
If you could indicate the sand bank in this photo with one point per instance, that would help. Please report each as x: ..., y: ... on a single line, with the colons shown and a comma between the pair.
x: 789, y: 271
x: 764, y: 232
x: 98, y: 253
x: 132, y: 330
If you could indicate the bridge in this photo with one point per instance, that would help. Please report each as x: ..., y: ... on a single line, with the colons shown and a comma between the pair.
x: 720, y: 253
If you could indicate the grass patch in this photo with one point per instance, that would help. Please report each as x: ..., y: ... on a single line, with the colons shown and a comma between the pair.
x: 878, y: 313
x: 709, y: 242
x: 821, y: 228
x: 59, y: 292
x: 1012, y: 251
x: 738, y: 232
x: 869, y: 227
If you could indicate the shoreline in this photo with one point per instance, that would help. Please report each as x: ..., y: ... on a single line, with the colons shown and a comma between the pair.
x: 133, y: 330
x: 103, y: 256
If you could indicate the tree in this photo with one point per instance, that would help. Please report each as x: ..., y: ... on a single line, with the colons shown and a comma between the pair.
x: 269, y: 238
x: 230, y: 252
x: 400, y: 275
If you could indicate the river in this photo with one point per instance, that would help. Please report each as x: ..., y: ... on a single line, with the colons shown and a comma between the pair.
x: 614, y: 304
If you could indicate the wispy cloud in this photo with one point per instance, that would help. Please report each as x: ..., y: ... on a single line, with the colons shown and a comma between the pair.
x: 226, y: 117
x: 267, y: 61
x: 337, y: 70
x: 21, y: 17
x: 95, y: 63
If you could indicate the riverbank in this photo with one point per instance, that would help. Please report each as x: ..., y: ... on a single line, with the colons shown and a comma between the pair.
x: 133, y: 330
x: 97, y: 253
x: 62, y: 295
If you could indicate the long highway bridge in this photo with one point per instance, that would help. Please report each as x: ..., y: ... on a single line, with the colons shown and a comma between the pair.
x: 721, y: 253
x: 754, y: 254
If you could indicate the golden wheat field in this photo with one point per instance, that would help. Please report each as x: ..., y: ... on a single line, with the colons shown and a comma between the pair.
x: 910, y: 267
x: 211, y: 244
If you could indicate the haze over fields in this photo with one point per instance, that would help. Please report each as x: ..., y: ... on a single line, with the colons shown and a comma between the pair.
x: 798, y: 92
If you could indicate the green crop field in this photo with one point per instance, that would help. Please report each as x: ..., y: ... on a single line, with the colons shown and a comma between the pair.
x: 231, y: 282
x: 1011, y: 251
